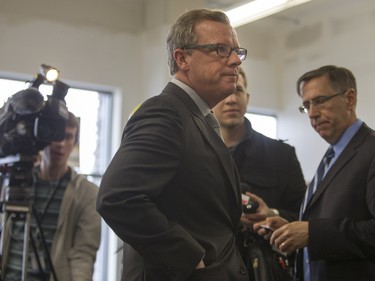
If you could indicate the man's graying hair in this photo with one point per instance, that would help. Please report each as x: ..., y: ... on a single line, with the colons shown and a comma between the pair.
x: 340, y: 78
x: 182, y: 32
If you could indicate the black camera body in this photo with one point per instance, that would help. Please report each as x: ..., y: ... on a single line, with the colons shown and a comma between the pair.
x: 28, y: 123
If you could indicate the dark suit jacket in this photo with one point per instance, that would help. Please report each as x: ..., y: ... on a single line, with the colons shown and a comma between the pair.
x: 271, y: 170
x: 341, y: 215
x: 172, y: 192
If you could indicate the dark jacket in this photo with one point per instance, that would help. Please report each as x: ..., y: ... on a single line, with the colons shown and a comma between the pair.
x: 341, y: 216
x: 172, y: 193
x: 271, y: 170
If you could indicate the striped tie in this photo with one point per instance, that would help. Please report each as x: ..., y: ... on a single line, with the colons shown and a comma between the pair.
x: 318, y: 177
x: 309, y: 194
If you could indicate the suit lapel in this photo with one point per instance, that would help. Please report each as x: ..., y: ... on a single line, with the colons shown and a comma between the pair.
x: 212, y: 138
x: 344, y: 158
x: 348, y: 153
x: 217, y: 144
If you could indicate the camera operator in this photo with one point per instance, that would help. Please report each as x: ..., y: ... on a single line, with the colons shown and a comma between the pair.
x: 64, y: 202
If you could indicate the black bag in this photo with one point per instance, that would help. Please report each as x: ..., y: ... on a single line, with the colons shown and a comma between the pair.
x: 265, y: 264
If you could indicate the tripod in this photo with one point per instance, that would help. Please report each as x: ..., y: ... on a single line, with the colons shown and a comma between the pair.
x: 16, y: 203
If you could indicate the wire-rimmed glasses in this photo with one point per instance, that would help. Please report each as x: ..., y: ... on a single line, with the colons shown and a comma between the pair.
x: 318, y: 102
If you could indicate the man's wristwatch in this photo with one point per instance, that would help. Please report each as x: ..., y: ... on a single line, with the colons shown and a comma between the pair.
x: 275, y: 211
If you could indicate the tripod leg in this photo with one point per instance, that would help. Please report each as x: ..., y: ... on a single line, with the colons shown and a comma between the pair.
x: 9, y: 212
x: 7, y: 222
x: 25, y: 257
x: 6, y: 225
x: 25, y: 212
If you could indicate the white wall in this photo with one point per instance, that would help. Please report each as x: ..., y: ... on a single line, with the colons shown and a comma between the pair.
x: 342, y: 34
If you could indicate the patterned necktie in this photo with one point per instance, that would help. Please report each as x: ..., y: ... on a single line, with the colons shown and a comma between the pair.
x: 211, y: 119
x: 309, y: 193
x: 318, y: 177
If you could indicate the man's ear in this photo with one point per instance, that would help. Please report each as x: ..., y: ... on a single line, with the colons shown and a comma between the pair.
x: 182, y: 59
x: 248, y: 97
x: 352, y: 98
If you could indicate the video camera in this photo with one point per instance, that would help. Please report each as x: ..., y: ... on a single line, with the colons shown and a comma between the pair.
x: 28, y: 123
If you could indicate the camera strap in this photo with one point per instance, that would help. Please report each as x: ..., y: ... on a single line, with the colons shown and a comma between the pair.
x: 54, y: 186
x: 50, y: 198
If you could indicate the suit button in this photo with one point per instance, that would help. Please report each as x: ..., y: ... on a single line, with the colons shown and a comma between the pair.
x: 243, y: 270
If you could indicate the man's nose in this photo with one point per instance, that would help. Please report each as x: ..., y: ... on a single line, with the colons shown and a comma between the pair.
x: 313, y: 111
x: 234, y: 58
x: 231, y: 99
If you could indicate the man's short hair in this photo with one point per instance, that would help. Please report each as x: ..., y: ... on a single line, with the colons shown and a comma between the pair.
x: 182, y: 32
x: 340, y: 78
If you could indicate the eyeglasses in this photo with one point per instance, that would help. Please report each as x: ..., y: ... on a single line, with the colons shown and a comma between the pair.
x: 318, y: 102
x: 221, y: 50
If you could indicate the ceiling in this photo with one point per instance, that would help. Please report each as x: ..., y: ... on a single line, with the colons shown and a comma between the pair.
x: 129, y: 15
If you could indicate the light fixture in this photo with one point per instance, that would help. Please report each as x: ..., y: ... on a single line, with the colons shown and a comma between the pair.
x: 258, y: 9
x: 50, y: 73
x: 47, y: 74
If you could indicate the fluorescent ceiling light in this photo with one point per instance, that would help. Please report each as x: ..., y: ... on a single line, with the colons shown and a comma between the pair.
x: 258, y: 9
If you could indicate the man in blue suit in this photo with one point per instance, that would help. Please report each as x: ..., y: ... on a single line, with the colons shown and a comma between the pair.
x: 336, y: 234
x: 172, y: 191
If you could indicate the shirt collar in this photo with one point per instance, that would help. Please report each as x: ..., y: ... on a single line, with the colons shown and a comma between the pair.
x: 346, y: 137
x: 202, y: 105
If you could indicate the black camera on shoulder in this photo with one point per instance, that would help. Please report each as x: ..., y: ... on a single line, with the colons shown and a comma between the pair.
x: 28, y: 123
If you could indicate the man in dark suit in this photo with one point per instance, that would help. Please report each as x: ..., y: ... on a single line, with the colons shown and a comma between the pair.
x: 269, y: 171
x: 336, y: 234
x: 172, y: 191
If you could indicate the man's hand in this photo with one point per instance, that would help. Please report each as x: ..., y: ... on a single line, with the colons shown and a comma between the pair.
x: 260, y: 214
x: 291, y: 236
x: 266, y: 227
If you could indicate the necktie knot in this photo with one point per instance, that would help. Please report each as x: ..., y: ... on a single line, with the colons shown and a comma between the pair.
x: 328, y: 157
x: 323, y: 166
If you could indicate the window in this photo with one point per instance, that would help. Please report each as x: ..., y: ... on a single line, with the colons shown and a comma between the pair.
x: 265, y: 124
